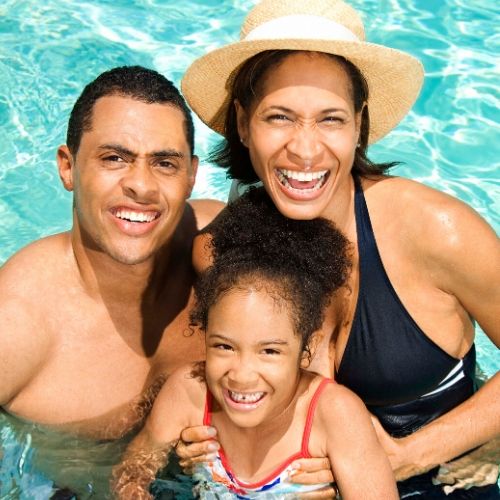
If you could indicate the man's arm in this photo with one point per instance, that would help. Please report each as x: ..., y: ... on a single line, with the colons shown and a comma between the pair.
x: 179, y: 404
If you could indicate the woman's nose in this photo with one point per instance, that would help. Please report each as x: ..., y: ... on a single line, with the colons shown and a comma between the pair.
x: 305, y: 146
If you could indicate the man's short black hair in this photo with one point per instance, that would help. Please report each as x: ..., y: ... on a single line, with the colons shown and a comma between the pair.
x: 139, y: 83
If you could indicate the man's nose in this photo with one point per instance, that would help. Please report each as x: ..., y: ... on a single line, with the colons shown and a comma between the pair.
x: 140, y: 184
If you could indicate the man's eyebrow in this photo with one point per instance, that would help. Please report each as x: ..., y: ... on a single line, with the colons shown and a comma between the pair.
x: 118, y: 148
x: 164, y: 153
x: 169, y: 153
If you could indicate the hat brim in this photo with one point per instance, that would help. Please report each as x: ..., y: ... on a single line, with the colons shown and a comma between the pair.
x: 394, y: 78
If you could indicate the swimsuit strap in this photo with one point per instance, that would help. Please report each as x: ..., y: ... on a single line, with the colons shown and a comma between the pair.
x: 207, y: 416
x: 310, y: 416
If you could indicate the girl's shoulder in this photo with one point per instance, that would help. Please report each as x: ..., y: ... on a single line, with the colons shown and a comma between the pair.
x: 335, y: 408
x: 337, y: 412
x: 183, y: 394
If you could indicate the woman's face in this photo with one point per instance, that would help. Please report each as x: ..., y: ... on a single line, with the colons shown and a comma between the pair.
x: 302, y: 133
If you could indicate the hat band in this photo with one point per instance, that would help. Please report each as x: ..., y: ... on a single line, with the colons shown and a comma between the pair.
x: 301, y: 26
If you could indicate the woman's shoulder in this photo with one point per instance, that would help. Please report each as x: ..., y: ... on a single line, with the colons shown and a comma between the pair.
x: 421, y: 214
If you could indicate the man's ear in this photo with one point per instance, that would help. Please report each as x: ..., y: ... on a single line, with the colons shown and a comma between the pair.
x: 242, y: 122
x: 192, y: 173
x: 65, y: 167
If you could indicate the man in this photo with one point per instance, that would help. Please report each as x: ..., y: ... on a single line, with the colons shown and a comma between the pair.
x: 94, y: 319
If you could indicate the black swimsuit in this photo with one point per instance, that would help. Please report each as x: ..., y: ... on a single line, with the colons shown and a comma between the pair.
x: 404, y: 378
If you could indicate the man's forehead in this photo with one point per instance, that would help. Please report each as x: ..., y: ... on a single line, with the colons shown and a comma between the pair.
x: 121, y: 119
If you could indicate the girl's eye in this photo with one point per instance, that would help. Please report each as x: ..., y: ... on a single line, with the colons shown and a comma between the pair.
x: 271, y: 351
x: 223, y: 347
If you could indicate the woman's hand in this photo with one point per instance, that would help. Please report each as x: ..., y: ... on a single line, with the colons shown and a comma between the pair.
x: 197, y: 444
x: 478, y: 468
x: 314, y: 471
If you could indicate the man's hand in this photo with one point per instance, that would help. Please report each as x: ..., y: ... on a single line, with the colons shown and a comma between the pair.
x: 197, y: 444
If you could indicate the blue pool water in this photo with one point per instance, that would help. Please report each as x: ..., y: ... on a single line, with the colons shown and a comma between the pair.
x: 50, y: 50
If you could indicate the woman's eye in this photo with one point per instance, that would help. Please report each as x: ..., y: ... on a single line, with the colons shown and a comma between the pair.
x: 278, y: 118
x: 333, y: 120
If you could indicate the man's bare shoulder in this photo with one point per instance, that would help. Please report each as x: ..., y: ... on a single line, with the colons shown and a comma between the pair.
x: 206, y: 210
x: 36, y: 260
x: 25, y: 281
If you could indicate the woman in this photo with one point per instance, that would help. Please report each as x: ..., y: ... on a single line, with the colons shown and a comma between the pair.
x: 298, y: 100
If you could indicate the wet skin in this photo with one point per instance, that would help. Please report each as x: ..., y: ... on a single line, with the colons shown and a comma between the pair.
x: 91, y: 331
x: 440, y: 256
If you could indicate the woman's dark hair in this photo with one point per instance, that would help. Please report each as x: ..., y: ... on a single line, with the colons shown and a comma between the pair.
x: 247, y: 85
x: 301, y: 263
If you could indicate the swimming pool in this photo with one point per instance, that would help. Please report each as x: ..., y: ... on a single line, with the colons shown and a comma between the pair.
x: 49, y: 51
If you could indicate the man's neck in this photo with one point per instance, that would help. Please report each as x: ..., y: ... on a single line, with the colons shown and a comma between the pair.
x: 102, y: 275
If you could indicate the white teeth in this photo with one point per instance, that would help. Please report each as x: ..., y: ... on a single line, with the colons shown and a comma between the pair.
x: 246, y: 397
x: 135, y: 216
x: 284, y: 175
x: 303, y: 176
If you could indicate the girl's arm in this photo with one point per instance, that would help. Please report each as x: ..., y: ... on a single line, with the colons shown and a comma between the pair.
x: 360, y: 465
x: 179, y: 404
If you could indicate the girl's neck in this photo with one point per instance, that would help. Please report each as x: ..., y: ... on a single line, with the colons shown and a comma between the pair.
x: 270, y: 443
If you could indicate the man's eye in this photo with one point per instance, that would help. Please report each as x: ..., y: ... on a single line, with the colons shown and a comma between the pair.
x: 113, y: 158
x: 166, y: 165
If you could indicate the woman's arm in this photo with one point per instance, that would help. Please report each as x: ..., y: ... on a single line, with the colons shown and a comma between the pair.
x: 464, y: 253
x: 470, y: 424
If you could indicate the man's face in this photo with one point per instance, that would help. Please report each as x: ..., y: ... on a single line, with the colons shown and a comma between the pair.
x: 131, y: 177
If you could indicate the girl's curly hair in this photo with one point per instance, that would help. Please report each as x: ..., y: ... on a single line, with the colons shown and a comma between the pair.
x: 299, y: 262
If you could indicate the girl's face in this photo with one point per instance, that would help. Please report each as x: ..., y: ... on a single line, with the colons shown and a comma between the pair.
x: 302, y: 133
x: 253, y: 356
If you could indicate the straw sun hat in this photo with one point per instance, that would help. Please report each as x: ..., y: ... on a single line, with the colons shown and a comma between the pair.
x: 394, y: 78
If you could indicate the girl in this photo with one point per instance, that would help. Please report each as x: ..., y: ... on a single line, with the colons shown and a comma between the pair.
x: 259, y: 304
